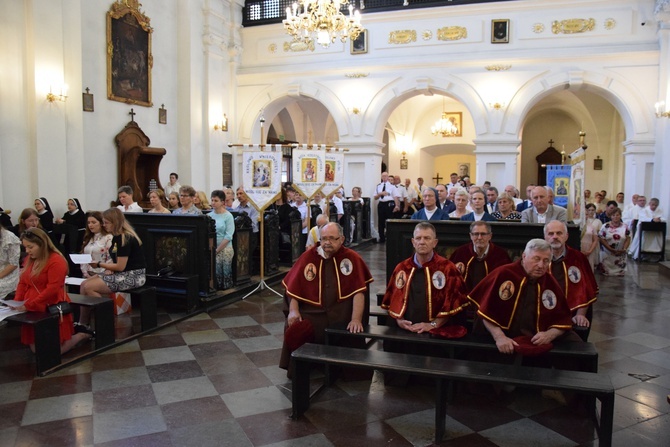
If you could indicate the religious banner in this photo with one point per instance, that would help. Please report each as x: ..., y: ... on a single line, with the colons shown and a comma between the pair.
x: 309, y: 170
x: 261, y: 175
x: 558, y: 178
x: 334, y: 172
x: 576, y: 205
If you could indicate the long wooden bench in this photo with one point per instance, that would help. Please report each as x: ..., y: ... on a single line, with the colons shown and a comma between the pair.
x: 146, y: 297
x: 47, y: 338
x: 103, y: 315
x: 585, y: 353
x: 446, y: 370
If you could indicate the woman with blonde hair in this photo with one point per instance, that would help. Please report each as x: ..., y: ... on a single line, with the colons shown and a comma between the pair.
x: 201, y: 202
x: 42, y: 283
x: 127, y: 269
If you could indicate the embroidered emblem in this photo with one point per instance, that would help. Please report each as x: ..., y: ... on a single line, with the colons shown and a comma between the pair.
x: 461, y: 267
x: 310, y: 272
x: 400, y: 279
x: 439, y: 280
x: 574, y: 274
x: 346, y: 267
x: 506, y: 290
x: 549, y: 299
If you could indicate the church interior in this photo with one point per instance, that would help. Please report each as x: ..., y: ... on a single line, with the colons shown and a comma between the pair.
x: 212, y: 77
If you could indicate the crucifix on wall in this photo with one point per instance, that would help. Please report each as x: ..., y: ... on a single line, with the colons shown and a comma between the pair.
x: 437, y: 178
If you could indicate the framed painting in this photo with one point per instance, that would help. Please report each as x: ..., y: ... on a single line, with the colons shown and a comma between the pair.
x: 129, y: 59
x: 500, y: 31
x: 456, y: 121
x: 359, y: 45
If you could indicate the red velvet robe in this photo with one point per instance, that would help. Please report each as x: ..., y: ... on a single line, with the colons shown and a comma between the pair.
x: 579, y: 284
x: 445, y: 295
x: 303, y: 281
x: 42, y: 290
x: 464, y: 255
x: 497, y: 302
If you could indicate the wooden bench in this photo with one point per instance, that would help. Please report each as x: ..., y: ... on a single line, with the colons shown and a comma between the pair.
x: 585, y: 353
x: 146, y: 297
x: 47, y: 338
x: 103, y: 314
x: 446, y: 370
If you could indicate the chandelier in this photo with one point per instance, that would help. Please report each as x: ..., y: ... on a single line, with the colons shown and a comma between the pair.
x: 323, y: 18
x: 445, y: 126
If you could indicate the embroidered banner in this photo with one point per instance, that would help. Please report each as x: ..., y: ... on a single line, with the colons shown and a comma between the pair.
x: 261, y: 175
x: 334, y: 172
x: 309, y: 171
x: 576, y: 205
x: 558, y: 178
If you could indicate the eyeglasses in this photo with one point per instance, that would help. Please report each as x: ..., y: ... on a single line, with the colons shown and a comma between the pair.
x: 479, y: 234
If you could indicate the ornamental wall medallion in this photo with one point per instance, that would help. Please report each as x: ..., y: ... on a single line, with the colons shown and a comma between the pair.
x: 427, y: 34
x: 610, y: 24
x: 402, y: 37
x: 452, y: 33
x: 573, y: 26
x: 297, y: 46
x: 538, y: 28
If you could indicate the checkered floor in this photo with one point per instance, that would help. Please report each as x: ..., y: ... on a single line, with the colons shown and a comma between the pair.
x: 212, y: 380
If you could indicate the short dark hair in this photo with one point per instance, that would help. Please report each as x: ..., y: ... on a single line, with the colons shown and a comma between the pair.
x: 220, y: 194
x: 612, y: 202
x: 125, y: 188
x: 175, y: 175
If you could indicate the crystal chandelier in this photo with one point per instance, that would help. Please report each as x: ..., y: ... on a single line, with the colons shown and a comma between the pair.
x: 323, y: 18
x: 445, y: 126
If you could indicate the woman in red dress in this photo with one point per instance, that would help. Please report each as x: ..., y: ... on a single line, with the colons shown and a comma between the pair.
x: 42, y: 283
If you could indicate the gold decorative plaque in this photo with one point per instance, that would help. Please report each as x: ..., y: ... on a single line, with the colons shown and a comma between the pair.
x: 538, y: 28
x: 610, y: 24
x: 498, y: 67
x: 402, y: 37
x: 272, y: 48
x: 356, y: 75
x: 452, y: 33
x: 573, y: 26
x: 297, y: 46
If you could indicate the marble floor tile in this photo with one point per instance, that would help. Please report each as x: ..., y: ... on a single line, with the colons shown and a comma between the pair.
x: 161, y: 341
x: 167, y: 355
x: 195, y: 411
x: 525, y: 433
x: 115, y: 425
x: 256, y: 401
x: 61, y: 385
x: 58, y: 408
x: 15, y: 391
x: 317, y: 440
x: 165, y: 372
x: 243, y: 380
x: 277, y: 426
x: 210, y: 434
x: 209, y: 336
x: 185, y: 389
x: 419, y: 428
x: 104, y: 380
x: 257, y: 343
x: 234, y: 321
x: 77, y: 431
x: 123, y: 398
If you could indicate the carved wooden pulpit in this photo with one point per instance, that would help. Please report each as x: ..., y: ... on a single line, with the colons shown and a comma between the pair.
x: 550, y: 156
x: 137, y: 163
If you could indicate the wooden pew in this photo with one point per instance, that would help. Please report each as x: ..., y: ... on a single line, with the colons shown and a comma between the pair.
x: 446, y: 370
x: 47, y: 338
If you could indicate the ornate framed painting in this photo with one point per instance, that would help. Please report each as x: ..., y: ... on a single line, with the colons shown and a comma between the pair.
x: 129, y: 59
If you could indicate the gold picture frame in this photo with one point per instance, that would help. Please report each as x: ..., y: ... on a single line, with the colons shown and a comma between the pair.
x: 403, y: 163
x: 87, y: 101
x: 162, y: 115
x: 456, y: 119
x: 500, y: 31
x: 359, y: 45
x: 129, y: 59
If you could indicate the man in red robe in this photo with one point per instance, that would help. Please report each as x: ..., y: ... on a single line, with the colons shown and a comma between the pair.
x: 572, y: 271
x: 327, y: 285
x: 478, y: 259
x: 426, y: 289
x: 523, y: 299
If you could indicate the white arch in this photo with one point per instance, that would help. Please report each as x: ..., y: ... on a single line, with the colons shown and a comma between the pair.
x: 272, y: 100
x: 628, y: 102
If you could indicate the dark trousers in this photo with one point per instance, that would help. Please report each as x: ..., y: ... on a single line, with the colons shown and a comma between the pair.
x: 384, y: 212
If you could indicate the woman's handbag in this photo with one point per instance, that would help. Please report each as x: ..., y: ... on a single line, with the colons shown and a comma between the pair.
x: 62, y: 308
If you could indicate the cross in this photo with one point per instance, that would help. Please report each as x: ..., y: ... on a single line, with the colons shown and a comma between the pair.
x: 437, y: 178
x: 87, y: 90
x: 551, y: 142
x: 132, y: 115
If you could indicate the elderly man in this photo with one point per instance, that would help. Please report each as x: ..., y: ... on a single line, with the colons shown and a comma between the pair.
x: 411, y: 204
x: 514, y: 193
x: 327, y: 286
x: 430, y: 211
x: 247, y: 208
x: 425, y: 291
x: 523, y: 299
x: 388, y: 203
x: 528, y: 203
x: 314, y: 235
x: 542, y: 212
x: 479, y: 212
x: 479, y: 258
x: 574, y: 275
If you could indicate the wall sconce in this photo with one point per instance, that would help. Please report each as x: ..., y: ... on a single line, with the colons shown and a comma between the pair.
x: 661, y: 111
x: 51, y: 97
x: 497, y: 105
x: 223, y: 125
x: 403, y: 161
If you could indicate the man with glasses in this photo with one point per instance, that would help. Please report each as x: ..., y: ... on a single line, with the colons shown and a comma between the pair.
x: 477, y: 259
x: 326, y: 286
x: 425, y: 290
x: 523, y: 299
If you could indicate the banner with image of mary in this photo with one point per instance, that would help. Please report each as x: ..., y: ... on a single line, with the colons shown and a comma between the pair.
x: 261, y: 175
x: 309, y: 171
x: 334, y: 172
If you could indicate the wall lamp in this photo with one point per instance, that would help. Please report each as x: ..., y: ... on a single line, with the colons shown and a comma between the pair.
x: 223, y: 125
x: 62, y: 96
x: 661, y: 111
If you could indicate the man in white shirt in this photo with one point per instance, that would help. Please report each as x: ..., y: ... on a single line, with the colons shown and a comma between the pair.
x: 173, y: 185
x: 542, y: 211
x: 388, y: 203
x: 126, y: 199
x: 411, y: 199
x: 454, y: 181
x: 514, y: 193
x: 314, y: 235
x: 401, y: 193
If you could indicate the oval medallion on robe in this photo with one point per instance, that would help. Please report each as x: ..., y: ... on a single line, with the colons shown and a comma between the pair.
x: 439, y: 280
x: 549, y: 299
x: 461, y: 267
x: 310, y: 272
x: 506, y: 290
x: 346, y: 267
x: 574, y: 274
x: 400, y: 279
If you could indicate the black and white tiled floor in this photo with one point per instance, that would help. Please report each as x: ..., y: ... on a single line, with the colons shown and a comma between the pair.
x: 212, y: 380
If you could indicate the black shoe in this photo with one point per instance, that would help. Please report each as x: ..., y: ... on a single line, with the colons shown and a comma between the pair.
x: 79, y: 328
